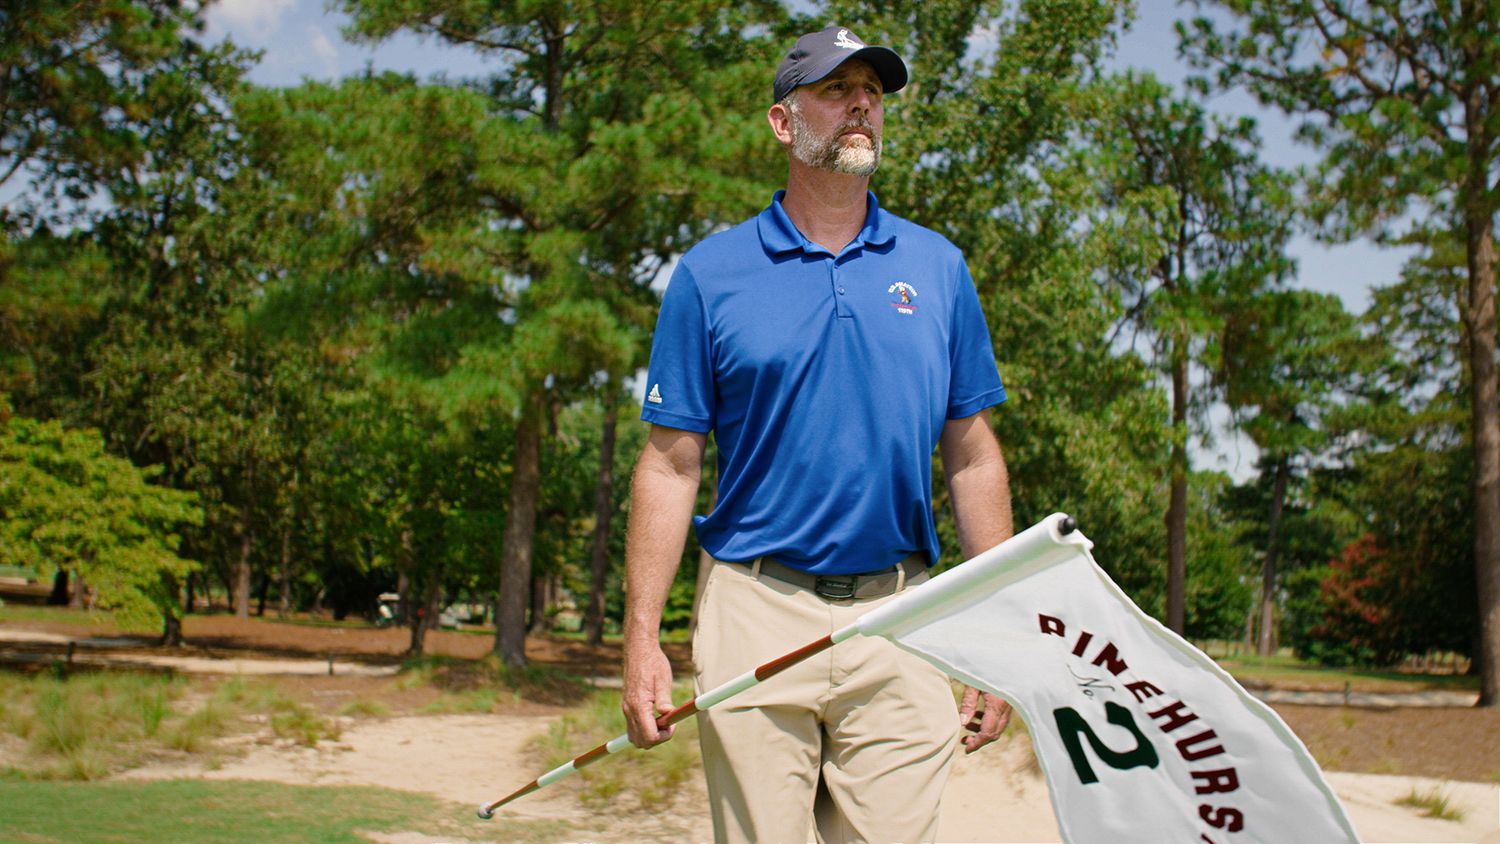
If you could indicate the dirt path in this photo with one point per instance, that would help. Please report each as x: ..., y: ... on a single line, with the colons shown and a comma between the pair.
x: 994, y: 796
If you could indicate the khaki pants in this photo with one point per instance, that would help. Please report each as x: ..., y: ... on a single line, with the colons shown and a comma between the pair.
x: 858, y: 739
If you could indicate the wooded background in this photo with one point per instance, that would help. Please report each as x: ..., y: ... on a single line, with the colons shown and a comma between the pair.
x: 299, y: 346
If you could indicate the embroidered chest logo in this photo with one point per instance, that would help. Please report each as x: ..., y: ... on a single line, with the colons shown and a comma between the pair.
x: 903, y: 298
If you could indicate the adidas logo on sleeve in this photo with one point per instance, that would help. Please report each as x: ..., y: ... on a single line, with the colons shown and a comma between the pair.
x: 655, y: 395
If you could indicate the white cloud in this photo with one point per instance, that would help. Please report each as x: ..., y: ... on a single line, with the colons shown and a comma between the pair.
x: 248, y: 18
x: 324, y: 49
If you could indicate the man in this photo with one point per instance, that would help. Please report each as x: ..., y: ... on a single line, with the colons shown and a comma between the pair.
x: 829, y: 346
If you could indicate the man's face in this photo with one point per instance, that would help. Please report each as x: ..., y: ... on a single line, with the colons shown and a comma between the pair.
x: 836, y: 122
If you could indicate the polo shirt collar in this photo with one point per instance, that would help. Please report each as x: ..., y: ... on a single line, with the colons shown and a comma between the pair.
x: 778, y: 234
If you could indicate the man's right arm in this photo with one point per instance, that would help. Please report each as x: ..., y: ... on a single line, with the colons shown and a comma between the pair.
x: 662, y: 492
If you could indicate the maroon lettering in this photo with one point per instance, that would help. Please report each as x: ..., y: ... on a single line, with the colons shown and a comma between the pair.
x: 1110, y: 658
x: 1177, y: 715
x: 1219, y: 781
x: 1202, y: 753
x: 1083, y: 642
x: 1142, y: 690
x: 1052, y: 624
x: 1229, y: 820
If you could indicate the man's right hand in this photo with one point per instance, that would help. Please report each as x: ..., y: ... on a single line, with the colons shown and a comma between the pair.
x: 648, y: 693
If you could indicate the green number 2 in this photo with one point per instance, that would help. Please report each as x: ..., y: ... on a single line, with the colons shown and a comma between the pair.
x: 1070, y: 725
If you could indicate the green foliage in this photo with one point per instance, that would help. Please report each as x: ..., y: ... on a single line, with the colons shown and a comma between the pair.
x: 1402, y: 98
x: 1376, y: 86
x: 1408, y: 483
x: 73, y: 92
x: 67, y: 504
x: 1220, y: 582
x: 341, y: 314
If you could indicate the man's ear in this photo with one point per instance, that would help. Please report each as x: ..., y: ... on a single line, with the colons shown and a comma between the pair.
x: 780, y: 119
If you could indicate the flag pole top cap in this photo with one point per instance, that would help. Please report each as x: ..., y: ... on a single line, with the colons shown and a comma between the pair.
x: 817, y: 54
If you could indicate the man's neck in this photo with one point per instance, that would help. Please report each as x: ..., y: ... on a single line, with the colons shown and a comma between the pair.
x: 828, y: 208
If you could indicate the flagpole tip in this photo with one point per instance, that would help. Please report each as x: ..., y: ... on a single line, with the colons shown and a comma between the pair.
x: 1066, y: 526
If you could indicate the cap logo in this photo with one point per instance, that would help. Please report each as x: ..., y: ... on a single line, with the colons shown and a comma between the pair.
x: 847, y: 41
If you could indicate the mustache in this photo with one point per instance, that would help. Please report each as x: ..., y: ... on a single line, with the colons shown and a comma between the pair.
x: 857, y: 123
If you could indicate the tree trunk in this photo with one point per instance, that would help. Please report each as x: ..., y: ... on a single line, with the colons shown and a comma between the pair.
x: 242, y: 576
x: 284, y: 580
x: 520, y: 527
x: 1268, y: 565
x: 171, y: 631
x: 78, y: 599
x: 541, y: 599
x: 190, y: 600
x: 262, y: 594
x: 421, y: 622
x: 171, y: 622
x: 1480, y: 319
x: 1177, y: 508
x: 59, y: 596
x: 593, y: 620
x: 405, y: 606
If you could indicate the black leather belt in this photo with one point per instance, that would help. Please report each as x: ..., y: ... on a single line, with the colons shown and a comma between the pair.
x: 844, y: 587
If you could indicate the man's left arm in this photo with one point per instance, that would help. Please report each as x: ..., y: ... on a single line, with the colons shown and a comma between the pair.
x: 980, y: 488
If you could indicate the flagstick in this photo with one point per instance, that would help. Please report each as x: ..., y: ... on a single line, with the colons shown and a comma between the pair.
x: 878, y: 622
x: 701, y: 703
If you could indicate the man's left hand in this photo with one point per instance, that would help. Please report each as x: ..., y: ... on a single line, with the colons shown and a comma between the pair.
x: 987, y: 724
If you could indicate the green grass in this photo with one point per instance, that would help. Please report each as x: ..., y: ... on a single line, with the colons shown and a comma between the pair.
x: 1284, y: 671
x: 650, y: 779
x: 1433, y: 804
x: 34, y: 612
x: 89, y: 725
x: 240, y: 813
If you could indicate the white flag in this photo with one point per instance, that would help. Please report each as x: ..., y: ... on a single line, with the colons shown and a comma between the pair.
x: 1141, y: 736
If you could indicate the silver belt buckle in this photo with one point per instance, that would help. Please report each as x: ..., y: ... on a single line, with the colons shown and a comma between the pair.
x: 835, y: 587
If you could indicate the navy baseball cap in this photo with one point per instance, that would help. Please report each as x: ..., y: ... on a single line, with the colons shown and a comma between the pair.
x: 816, y: 54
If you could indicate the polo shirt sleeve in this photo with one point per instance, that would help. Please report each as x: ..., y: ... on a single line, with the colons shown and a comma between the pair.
x: 974, y: 382
x: 680, y: 377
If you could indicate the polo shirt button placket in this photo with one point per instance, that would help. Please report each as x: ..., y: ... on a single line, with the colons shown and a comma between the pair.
x: 840, y: 305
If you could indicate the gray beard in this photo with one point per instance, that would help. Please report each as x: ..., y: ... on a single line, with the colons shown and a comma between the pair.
x: 826, y: 153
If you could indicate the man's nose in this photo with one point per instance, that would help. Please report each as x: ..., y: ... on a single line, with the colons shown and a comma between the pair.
x: 861, y: 102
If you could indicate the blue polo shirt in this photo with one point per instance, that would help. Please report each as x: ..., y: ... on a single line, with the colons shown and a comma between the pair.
x: 826, y: 380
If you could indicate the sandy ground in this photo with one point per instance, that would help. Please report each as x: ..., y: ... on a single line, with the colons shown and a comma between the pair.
x: 994, y: 796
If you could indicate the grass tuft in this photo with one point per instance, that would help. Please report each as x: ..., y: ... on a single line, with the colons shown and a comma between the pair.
x: 651, y: 779
x: 1433, y: 804
x: 364, y: 709
x: 90, y: 724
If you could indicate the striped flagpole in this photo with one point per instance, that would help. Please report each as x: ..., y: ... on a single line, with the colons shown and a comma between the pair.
x: 707, y: 700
